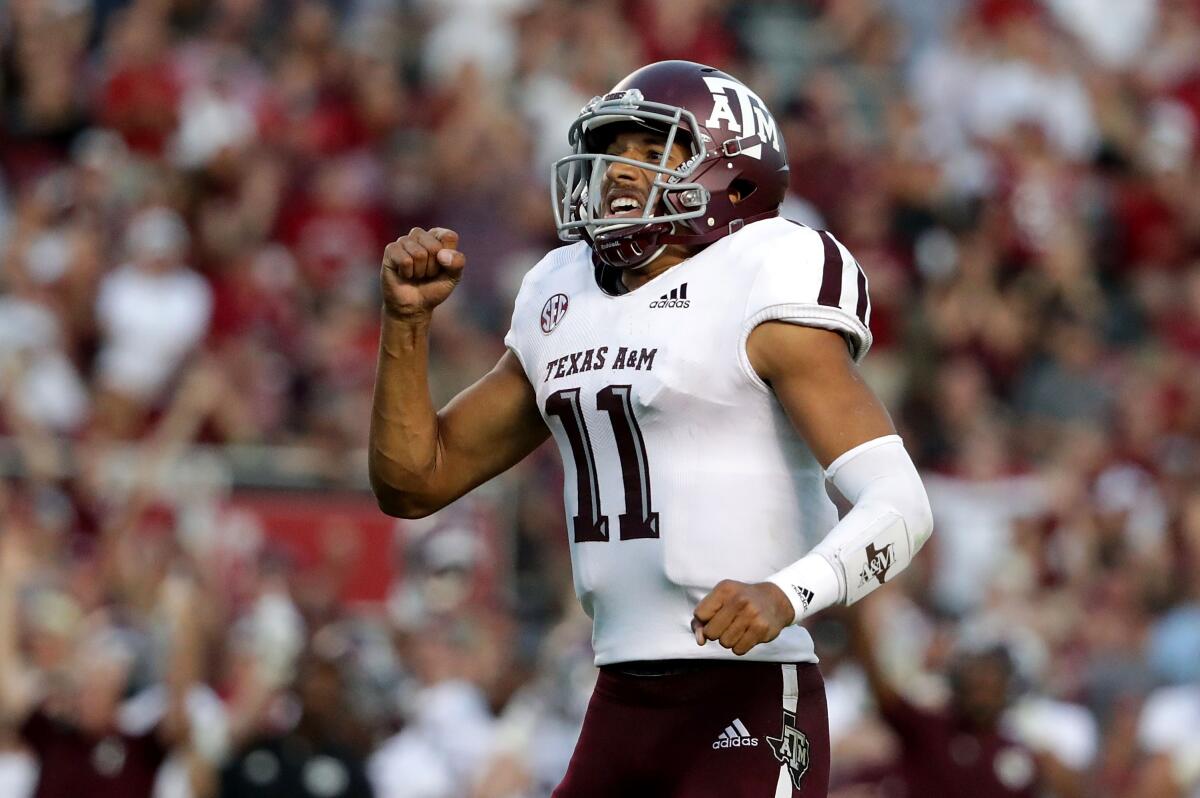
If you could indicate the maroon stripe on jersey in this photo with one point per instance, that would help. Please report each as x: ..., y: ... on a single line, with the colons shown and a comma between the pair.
x: 861, y: 310
x: 831, y: 280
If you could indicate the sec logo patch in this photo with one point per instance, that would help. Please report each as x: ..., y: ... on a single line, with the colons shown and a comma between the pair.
x: 553, y: 312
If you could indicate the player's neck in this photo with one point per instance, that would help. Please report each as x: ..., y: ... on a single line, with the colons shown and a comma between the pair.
x: 672, y: 256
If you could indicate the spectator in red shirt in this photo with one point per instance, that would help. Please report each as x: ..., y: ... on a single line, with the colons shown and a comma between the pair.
x: 85, y: 740
x: 140, y: 95
x: 960, y: 751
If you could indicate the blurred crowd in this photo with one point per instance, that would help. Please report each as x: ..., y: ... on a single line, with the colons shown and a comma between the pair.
x: 194, y: 198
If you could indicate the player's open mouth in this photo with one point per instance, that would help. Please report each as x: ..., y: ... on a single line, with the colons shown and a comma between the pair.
x: 624, y: 205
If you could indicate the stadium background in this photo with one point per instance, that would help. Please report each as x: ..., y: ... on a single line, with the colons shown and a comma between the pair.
x: 194, y: 198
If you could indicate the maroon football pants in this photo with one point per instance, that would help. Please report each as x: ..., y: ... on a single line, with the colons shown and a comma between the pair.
x: 703, y: 729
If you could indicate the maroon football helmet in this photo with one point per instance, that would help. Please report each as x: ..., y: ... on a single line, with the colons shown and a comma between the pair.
x: 734, y: 146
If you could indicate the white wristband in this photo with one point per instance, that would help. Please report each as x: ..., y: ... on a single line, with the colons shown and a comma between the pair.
x: 811, y: 584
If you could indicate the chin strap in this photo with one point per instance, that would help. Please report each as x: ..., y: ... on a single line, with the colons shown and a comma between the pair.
x: 662, y: 240
x: 715, y: 234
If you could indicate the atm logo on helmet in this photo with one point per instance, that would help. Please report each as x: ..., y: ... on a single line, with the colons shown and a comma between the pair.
x: 751, y: 117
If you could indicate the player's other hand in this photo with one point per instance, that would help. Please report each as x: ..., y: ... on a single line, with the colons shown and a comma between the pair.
x: 419, y: 271
x: 741, y: 615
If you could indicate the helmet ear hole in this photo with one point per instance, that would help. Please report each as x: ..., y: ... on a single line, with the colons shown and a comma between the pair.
x: 741, y: 189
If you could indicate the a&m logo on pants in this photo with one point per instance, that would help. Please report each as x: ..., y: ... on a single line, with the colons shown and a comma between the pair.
x: 792, y: 748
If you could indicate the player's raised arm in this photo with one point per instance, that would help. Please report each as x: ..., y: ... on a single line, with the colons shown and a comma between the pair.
x: 422, y: 459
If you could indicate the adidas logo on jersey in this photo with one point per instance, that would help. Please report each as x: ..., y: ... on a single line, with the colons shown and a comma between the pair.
x: 735, y: 736
x: 675, y: 298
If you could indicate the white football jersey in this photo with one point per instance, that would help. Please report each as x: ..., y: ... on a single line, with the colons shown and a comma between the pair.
x: 681, y: 467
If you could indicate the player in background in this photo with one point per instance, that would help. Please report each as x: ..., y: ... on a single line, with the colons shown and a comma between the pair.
x: 693, y: 356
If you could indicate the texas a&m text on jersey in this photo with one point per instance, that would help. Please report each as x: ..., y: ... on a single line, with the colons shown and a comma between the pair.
x: 670, y: 440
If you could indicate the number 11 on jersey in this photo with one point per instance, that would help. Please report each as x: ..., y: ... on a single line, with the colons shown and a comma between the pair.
x: 589, y: 522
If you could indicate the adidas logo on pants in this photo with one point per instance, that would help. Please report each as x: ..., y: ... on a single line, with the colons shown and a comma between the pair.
x: 735, y: 736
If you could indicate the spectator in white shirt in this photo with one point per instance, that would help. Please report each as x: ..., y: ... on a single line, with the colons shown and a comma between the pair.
x: 152, y: 313
x: 1168, y: 735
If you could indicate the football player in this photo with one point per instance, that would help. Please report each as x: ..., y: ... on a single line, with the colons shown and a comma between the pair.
x: 693, y: 356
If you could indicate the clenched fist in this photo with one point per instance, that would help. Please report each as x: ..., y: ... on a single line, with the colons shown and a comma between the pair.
x: 741, y: 615
x: 419, y: 271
